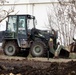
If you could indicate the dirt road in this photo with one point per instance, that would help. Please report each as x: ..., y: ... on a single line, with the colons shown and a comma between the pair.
x: 36, y: 66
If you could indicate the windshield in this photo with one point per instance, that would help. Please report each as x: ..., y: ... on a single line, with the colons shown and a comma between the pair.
x: 12, y: 23
x: 30, y: 24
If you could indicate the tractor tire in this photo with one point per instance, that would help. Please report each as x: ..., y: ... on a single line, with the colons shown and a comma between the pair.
x: 37, y: 49
x: 11, y: 48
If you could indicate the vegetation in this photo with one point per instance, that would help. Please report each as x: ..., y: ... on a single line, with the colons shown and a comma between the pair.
x: 4, y: 12
x: 64, y: 19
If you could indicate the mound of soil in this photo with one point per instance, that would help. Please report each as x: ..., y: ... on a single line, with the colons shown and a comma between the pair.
x: 31, y: 67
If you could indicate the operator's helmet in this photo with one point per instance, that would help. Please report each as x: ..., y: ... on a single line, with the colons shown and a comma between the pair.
x: 74, y: 38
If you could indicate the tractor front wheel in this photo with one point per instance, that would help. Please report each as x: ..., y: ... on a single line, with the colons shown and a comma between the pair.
x: 37, y: 49
x: 10, y: 48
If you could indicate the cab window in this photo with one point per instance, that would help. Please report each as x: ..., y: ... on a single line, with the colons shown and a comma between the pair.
x: 21, y: 25
x: 12, y: 23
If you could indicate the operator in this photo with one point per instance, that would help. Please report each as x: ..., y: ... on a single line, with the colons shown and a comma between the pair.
x: 21, y: 24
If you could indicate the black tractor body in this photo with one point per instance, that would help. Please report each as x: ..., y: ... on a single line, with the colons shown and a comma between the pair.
x: 21, y: 34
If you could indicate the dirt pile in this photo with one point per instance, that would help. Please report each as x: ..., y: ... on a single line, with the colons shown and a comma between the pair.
x: 31, y: 67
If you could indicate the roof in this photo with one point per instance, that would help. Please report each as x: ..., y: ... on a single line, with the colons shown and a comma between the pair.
x: 28, y: 15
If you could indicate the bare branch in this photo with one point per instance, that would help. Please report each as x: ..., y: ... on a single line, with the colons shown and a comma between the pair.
x: 4, y: 12
x: 65, y: 16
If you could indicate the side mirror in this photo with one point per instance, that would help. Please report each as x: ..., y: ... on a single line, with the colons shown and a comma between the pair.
x: 35, y: 22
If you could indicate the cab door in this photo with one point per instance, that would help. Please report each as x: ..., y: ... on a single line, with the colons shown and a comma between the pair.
x: 22, y: 34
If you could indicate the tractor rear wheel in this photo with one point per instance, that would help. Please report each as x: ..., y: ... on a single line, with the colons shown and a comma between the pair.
x: 11, y: 48
x: 37, y: 49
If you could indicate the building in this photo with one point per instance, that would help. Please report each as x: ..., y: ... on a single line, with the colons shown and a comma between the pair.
x: 38, y: 8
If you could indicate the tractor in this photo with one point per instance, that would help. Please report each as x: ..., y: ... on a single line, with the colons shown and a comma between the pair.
x: 21, y: 34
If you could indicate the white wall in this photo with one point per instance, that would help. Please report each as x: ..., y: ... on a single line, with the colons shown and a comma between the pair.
x: 40, y: 11
x: 38, y: 8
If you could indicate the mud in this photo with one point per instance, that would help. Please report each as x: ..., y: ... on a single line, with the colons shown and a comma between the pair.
x: 31, y: 67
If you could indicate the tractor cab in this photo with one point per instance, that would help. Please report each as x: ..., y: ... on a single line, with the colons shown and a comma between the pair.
x: 21, y: 34
x: 18, y: 25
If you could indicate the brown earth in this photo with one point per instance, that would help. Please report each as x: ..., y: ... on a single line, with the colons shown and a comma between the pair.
x: 19, y: 66
x: 32, y: 67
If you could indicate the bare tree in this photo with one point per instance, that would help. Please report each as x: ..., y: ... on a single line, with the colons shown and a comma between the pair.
x: 4, y: 12
x: 64, y: 19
